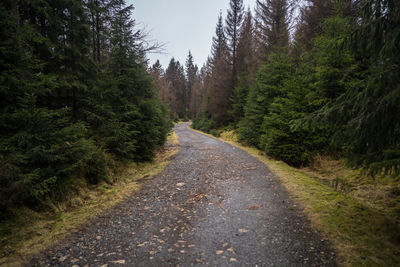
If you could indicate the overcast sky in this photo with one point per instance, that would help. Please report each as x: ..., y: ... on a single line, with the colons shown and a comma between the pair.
x: 182, y: 25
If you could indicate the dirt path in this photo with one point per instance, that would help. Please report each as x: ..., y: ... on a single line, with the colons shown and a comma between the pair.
x: 214, y: 205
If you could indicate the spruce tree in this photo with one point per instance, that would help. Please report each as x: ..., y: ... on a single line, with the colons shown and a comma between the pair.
x: 175, y: 76
x: 233, y: 24
x: 268, y: 85
x: 273, y: 18
x: 219, y: 88
x: 246, y: 67
x: 366, y: 116
x: 191, y: 74
x: 42, y: 143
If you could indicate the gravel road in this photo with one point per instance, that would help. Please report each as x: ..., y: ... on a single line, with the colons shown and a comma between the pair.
x: 214, y: 205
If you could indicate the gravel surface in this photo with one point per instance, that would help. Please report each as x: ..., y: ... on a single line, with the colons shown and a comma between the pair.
x: 214, y: 205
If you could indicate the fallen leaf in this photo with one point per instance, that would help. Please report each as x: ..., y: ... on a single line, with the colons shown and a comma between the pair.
x: 254, y: 207
x: 243, y: 231
x: 231, y: 250
x: 180, y: 184
x: 219, y: 252
x: 232, y: 259
x: 225, y: 245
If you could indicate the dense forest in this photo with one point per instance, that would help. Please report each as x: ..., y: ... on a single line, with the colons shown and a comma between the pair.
x: 76, y: 96
x: 295, y: 79
x: 298, y: 79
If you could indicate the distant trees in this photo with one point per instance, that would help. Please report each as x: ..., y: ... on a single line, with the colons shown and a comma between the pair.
x: 233, y: 22
x: 175, y: 75
x: 220, y: 86
x: 75, y: 94
x: 324, y: 82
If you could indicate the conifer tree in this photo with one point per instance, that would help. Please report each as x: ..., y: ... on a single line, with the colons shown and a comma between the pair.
x: 268, y: 85
x: 367, y: 117
x: 273, y: 18
x: 42, y: 145
x: 219, y: 48
x: 233, y: 23
x: 68, y: 89
x: 247, y: 66
x: 309, y: 26
x: 175, y: 75
x: 191, y: 73
x: 220, y: 88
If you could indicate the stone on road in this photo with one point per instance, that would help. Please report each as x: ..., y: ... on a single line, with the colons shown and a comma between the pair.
x: 214, y: 205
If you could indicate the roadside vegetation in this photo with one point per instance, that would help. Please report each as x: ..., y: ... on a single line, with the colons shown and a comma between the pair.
x: 28, y: 231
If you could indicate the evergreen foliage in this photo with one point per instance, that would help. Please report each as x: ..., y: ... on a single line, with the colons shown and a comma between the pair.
x: 365, y: 116
x: 330, y: 88
x: 317, y: 77
x: 74, y: 93
x: 268, y: 83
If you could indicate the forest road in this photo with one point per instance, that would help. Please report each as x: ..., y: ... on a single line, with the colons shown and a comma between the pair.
x: 214, y: 205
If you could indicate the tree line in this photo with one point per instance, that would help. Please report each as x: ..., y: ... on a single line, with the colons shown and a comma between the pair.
x: 75, y: 96
x: 299, y: 78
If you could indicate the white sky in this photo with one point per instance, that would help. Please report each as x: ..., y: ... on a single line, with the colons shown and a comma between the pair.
x: 182, y: 25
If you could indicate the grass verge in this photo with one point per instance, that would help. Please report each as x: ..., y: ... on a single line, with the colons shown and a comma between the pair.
x: 30, y: 232
x: 362, y: 234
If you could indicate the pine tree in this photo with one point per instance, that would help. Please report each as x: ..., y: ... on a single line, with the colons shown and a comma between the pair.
x: 191, y: 73
x: 233, y: 24
x: 219, y: 88
x: 309, y: 26
x: 42, y: 144
x: 247, y: 65
x: 72, y: 82
x: 268, y: 85
x: 366, y: 116
x: 197, y: 94
x: 273, y: 18
x: 175, y: 76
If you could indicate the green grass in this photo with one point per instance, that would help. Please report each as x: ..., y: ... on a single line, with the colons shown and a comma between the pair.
x: 362, y: 233
x: 29, y: 232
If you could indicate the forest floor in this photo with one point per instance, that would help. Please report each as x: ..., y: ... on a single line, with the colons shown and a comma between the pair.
x: 213, y: 205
